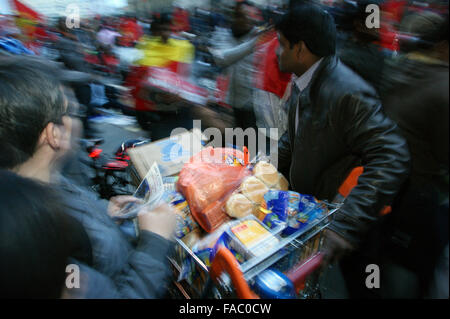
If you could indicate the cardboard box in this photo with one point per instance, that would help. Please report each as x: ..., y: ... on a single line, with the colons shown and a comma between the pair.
x: 170, y: 153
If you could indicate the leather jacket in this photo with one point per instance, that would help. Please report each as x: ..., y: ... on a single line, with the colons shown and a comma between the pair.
x: 341, y: 125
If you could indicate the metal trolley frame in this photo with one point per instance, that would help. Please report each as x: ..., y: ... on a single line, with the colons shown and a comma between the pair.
x: 226, y: 278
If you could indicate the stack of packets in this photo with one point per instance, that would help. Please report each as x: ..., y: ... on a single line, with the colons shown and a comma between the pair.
x: 290, y: 210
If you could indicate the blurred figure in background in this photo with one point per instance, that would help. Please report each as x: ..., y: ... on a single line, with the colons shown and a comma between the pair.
x: 232, y: 50
x: 416, y: 97
x: 107, y: 34
x: 71, y: 54
x: 272, y: 89
x: 9, y: 38
x: 162, y: 50
x: 158, y: 112
x: 180, y: 20
x: 130, y: 31
x: 360, y: 51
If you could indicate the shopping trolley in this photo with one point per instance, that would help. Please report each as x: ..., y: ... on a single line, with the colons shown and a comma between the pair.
x: 297, y: 256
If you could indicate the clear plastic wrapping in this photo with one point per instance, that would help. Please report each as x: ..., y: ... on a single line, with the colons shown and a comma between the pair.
x: 208, y: 180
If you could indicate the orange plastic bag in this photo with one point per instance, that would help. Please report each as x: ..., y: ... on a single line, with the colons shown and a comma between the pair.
x: 208, y: 180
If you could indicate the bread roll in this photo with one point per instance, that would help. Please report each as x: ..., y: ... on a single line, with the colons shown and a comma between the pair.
x: 239, y: 206
x: 267, y: 173
x: 254, y: 189
x: 283, y: 184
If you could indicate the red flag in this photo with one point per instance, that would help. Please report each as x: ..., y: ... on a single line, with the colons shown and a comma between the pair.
x: 26, y: 12
x: 28, y: 21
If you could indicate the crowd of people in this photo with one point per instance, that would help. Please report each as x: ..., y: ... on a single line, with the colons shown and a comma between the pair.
x: 344, y: 98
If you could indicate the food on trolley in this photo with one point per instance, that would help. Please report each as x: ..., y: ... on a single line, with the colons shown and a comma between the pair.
x: 239, y: 206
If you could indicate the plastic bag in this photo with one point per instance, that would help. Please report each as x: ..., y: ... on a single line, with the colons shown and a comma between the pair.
x: 208, y: 180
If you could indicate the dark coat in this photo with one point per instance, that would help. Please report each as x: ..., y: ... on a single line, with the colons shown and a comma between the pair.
x: 341, y: 125
x: 140, y: 271
x: 416, y: 97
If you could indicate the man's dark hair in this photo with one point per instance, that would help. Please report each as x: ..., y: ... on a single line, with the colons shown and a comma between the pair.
x: 37, y: 239
x: 239, y: 4
x: 31, y: 96
x: 425, y: 30
x: 159, y: 20
x: 312, y: 25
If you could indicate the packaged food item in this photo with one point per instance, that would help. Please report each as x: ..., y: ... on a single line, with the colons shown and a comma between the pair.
x: 239, y: 206
x: 185, y: 221
x: 229, y: 156
x: 294, y: 209
x: 250, y: 238
x: 267, y: 173
x: 273, y: 221
x: 170, y: 183
x: 254, y: 189
x: 207, y: 247
x: 207, y: 181
x: 192, y: 238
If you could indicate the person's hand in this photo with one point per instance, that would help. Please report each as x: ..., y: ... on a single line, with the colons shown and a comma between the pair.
x: 161, y: 220
x: 334, y: 247
x: 257, y: 32
x: 117, y: 203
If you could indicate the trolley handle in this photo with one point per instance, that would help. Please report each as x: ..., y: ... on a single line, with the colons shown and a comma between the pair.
x: 302, y: 270
x: 224, y: 261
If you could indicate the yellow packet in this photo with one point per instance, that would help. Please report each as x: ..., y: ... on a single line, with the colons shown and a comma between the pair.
x: 250, y: 232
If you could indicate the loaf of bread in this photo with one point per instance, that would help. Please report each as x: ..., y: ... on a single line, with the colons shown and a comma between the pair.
x: 254, y: 189
x: 283, y: 184
x: 267, y: 173
x: 239, y: 206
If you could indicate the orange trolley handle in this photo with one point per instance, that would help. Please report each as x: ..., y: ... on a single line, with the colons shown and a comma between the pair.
x: 224, y: 261
x: 351, y: 181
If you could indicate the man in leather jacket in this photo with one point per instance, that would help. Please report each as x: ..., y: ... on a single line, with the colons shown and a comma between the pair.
x: 335, y: 124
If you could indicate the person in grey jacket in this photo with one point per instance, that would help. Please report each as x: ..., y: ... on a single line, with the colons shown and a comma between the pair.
x: 37, y: 124
x: 232, y: 50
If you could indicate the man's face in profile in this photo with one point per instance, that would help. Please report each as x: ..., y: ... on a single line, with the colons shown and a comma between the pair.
x: 285, y: 54
x: 71, y: 125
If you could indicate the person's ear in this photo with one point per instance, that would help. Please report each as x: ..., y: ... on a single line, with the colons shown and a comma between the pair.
x: 299, y: 49
x: 51, y: 135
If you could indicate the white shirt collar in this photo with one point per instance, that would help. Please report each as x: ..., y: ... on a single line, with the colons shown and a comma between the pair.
x: 303, y: 81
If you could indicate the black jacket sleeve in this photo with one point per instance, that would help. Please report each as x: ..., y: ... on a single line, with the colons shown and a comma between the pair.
x: 284, y: 154
x: 373, y: 137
